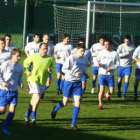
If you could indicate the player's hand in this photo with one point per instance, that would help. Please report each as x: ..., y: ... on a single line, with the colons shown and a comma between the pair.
x: 78, y: 74
x: 4, y: 85
x: 29, y: 74
x: 108, y: 69
x: 49, y: 70
x: 127, y: 53
x: 21, y: 85
x: 98, y: 64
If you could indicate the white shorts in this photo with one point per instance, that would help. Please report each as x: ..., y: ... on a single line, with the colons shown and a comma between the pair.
x: 35, y: 88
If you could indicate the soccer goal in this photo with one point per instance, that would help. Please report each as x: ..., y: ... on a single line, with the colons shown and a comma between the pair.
x: 114, y: 19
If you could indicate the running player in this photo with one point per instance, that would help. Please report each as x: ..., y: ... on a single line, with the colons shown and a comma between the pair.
x: 10, y: 77
x: 61, y: 52
x: 108, y: 61
x: 95, y: 49
x: 33, y: 47
x: 8, y: 45
x: 74, y: 68
x: 125, y: 52
x: 37, y: 78
x: 136, y: 57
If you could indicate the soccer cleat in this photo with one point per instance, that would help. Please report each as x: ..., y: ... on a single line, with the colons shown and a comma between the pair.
x: 33, y: 121
x: 135, y: 98
x: 53, y: 114
x: 100, y: 106
x: 92, y: 90
x: 58, y: 91
x: 5, y: 131
x: 74, y: 127
x: 119, y: 95
x: 123, y: 96
x: 26, y: 120
x: 27, y: 89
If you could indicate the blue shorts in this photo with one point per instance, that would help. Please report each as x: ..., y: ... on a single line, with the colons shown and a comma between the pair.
x: 124, y: 71
x: 95, y: 70
x: 8, y: 97
x: 106, y: 80
x: 137, y: 73
x: 72, y: 88
x: 84, y: 79
x: 58, y: 68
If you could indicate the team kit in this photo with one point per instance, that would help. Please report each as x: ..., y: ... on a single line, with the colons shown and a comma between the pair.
x: 71, y: 66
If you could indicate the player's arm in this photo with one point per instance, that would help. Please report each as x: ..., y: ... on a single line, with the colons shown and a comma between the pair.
x: 117, y: 62
x: 99, y: 61
x: 56, y: 56
x: 135, y: 55
x: 27, y: 50
x: 122, y: 54
x: 89, y: 59
x: 93, y: 52
x: 20, y: 79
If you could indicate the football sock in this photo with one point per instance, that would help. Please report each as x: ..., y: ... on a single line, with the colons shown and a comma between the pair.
x: 119, y: 87
x: 93, y: 83
x: 125, y: 88
x: 75, y: 115
x: 33, y: 114
x: 135, y: 90
x: 58, y: 106
x: 28, y: 113
x: 58, y: 83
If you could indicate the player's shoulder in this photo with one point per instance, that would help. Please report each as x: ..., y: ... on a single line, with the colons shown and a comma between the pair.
x: 95, y: 45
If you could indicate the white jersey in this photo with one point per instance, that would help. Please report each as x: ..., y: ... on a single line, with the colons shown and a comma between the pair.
x: 136, y: 54
x: 87, y: 54
x: 32, y: 47
x: 63, y: 51
x: 11, y: 74
x: 4, y: 56
x: 50, y: 49
x: 10, y: 47
x: 72, y: 65
x: 125, y: 60
x: 108, y: 59
x: 95, y: 49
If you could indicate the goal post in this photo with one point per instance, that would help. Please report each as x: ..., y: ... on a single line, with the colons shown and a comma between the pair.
x: 124, y: 14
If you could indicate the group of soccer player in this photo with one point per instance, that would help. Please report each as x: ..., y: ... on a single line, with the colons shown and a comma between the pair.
x: 71, y: 68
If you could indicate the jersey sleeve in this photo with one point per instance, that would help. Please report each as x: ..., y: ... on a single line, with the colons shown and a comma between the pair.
x: 120, y: 52
x: 117, y: 62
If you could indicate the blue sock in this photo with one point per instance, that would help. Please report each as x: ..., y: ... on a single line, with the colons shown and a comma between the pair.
x: 93, y: 83
x: 58, y: 83
x: 135, y: 90
x: 59, y: 105
x: 46, y: 87
x: 125, y: 88
x: 61, y: 84
x: 33, y: 114
x: 119, y: 87
x: 75, y: 115
x: 28, y: 113
x: 49, y: 75
x: 9, y: 119
x: 83, y: 90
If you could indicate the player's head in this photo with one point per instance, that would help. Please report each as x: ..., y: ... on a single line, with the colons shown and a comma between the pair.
x: 36, y: 38
x: 102, y: 39
x: 127, y: 40
x: 66, y: 38
x: 16, y: 54
x: 81, y: 40
x: 43, y: 49
x: 107, y: 44
x: 46, y: 38
x: 7, y: 39
x: 2, y: 43
x: 80, y: 49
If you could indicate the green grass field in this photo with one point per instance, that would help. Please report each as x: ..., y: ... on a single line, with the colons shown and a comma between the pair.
x: 119, y: 120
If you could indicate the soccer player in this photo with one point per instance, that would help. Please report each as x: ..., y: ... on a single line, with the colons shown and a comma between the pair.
x: 8, y: 45
x: 87, y: 54
x: 33, y: 47
x: 10, y: 78
x: 37, y: 78
x: 108, y: 61
x: 74, y: 68
x: 61, y: 52
x: 95, y: 49
x: 125, y: 52
x: 136, y: 57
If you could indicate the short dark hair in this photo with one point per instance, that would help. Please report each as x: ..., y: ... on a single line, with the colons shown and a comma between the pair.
x: 127, y: 37
x: 65, y: 36
x: 102, y: 37
x: 15, y: 50
x: 80, y: 45
x: 42, y: 44
x: 108, y: 40
x: 36, y: 34
x: 8, y: 35
x: 2, y: 39
x: 81, y: 39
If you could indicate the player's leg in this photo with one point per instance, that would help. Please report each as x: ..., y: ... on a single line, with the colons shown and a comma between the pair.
x: 84, y: 82
x: 126, y: 84
x: 102, y: 89
x: 119, y: 81
x: 62, y: 83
